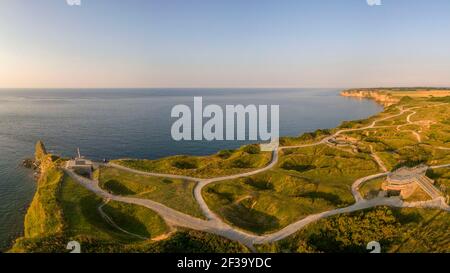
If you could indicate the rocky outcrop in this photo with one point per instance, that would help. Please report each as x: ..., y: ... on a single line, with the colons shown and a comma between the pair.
x: 40, y: 153
x: 379, y: 96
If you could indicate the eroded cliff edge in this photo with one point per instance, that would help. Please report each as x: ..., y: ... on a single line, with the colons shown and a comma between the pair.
x: 381, y: 96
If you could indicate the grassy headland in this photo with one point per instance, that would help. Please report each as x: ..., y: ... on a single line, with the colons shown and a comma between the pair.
x: 305, y: 181
x: 319, y: 178
x: 63, y: 211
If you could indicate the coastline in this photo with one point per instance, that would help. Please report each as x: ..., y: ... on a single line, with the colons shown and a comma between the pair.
x: 39, y: 177
x: 384, y: 99
x: 358, y: 95
x: 65, y: 142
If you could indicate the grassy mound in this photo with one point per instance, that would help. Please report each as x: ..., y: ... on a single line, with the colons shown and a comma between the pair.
x: 175, y: 193
x: 306, y: 181
x: 81, y: 213
x: 371, y: 189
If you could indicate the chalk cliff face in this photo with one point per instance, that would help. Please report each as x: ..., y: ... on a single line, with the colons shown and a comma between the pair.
x: 379, y: 96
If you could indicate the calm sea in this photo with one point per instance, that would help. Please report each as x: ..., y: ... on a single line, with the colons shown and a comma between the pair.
x: 116, y: 123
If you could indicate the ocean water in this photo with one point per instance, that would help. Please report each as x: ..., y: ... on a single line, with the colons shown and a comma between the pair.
x: 118, y: 123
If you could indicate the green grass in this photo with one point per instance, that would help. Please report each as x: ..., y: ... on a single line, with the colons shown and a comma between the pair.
x: 396, y: 147
x: 397, y: 230
x: 306, y: 181
x: 174, y: 193
x: 182, y: 241
x: 81, y: 213
x: 390, y: 159
x: 329, y: 167
x: 305, y: 138
x: 430, y: 234
x: 136, y: 219
x: 64, y: 210
x: 442, y: 179
x: 225, y: 162
x: 314, y: 179
x: 371, y: 189
x: 83, y: 223
x: 44, y: 216
x: 246, y: 204
x: 319, y: 178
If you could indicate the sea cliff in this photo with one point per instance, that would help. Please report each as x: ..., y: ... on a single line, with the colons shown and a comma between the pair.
x: 380, y: 96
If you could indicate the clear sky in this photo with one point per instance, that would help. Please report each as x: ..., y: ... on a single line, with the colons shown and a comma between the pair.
x: 224, y: 43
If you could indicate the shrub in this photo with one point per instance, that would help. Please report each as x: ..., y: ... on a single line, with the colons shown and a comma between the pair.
x: 252, y: 149
x: 241, y: 163
x: 186, y: 163
x: 289, y: 165
x: 224, y: 154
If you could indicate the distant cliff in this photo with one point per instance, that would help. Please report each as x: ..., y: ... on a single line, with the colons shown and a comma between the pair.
x: 379, y: 96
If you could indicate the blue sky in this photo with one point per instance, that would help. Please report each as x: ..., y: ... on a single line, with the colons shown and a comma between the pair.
x: 224, y: 43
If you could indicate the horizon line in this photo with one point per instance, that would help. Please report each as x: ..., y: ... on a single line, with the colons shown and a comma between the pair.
x: 215, y: 87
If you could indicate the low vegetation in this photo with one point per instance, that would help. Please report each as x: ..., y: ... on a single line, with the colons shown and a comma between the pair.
x: 398, y: 145
x: 81, y: 213
x: 305, y: 138
x: 372, y: 188
x: 63, y: 211
x: 397, y: 230
x: 182, y: 241
x: 306, y: 181
x: 174, y: 193
x: 442, y: 180
x: 83, y: 223
x: 223, y: 163
x: 44, y: 215
x: 310, y: 180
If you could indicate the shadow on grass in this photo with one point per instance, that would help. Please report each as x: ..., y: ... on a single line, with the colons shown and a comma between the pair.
x: 290, y: 166
x: 221, y: 195
x: 329, y: 197
x: 126, y: 221
x: 115, y: 187
x: 250, y: 219
x: 407, y: 218
x: 89, y: 211
x: 259, y: 184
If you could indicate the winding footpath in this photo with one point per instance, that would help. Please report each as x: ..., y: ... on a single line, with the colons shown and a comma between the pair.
x: 214, y: 224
